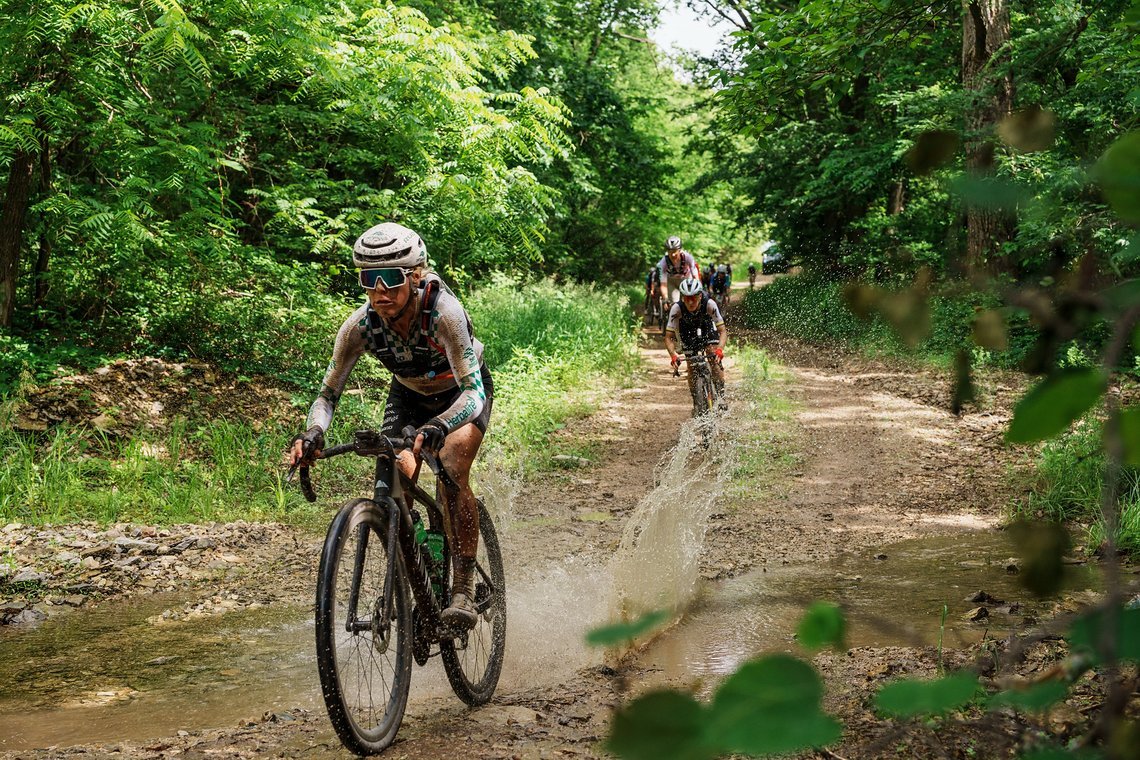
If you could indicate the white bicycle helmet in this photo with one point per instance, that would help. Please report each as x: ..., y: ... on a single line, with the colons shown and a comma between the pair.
x: 389, y: 245
x: 691, y: 286
x: 673, y: 244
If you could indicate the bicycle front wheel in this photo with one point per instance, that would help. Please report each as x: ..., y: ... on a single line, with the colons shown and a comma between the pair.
x: 364, y: 629
x: 703, y: 396
x: 474, y: 660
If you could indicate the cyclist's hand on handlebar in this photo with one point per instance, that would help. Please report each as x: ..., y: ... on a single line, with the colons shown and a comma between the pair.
x: 429, y: 436
x: 675, y: 361
x: 305, y: 447
x: 718, y: 352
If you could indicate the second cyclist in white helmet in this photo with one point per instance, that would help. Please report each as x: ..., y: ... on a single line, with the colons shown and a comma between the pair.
x: 696, y: 323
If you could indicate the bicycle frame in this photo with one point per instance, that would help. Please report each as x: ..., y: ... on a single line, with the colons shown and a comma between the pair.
x: 395, y: 492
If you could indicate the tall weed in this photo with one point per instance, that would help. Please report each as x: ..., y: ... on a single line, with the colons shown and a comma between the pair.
x: 1069, y: 478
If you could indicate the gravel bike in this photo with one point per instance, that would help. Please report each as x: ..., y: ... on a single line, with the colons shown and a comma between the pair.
x: 705, y: 395
x: 380, y: 592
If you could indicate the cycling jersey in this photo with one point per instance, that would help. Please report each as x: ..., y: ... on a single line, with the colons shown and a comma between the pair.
x: 720, y: 282
x: 439, y: 356
x: 706, y: 319
x: 686, y: 266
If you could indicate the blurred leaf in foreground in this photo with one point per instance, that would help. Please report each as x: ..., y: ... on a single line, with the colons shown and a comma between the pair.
x: 1118, y: 173
x: 1035, y: 698
x: 1042, y: 546
x: 1028, y: 130
x: 771, y: 705
x: 1054, y: 404
x: 1087, y: 633
x: 619, y: 633
x: 822, y: 625
x: 931, y: 150
x: 903, y: 699
x: 661, y: 724
x: 964, y: 391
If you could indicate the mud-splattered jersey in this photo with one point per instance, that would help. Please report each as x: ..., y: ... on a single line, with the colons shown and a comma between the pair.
x: 439, y: 355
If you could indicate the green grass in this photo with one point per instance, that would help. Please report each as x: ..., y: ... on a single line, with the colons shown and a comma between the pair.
x: 554, y: 352
x: 1069, y: 474
x: 812, y: 309
x: 762, y: 439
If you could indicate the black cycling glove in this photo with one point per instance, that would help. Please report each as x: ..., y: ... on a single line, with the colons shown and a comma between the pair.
x: 433, y: 432
x: 312, y: 440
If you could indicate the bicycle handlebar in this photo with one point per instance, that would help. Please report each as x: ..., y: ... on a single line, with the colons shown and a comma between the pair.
x: 367, y: 443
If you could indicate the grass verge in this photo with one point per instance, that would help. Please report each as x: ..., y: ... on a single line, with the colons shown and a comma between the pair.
x: 1069, y: 476
x: 763, y: 437
x: 553, y: 351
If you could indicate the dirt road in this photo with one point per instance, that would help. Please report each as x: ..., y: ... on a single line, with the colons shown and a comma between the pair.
x: 863, y: 460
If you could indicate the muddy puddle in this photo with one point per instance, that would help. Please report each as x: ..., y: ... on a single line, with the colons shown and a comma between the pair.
x: 110, y: 673
x: 894, y: 600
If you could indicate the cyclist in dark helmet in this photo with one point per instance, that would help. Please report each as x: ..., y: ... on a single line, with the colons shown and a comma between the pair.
x: 416, y: 327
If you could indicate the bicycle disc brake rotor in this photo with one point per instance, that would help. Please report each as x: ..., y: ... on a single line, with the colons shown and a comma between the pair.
x: 379, y: 635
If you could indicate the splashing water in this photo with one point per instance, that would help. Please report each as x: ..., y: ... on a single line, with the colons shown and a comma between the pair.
x: 656, y: 565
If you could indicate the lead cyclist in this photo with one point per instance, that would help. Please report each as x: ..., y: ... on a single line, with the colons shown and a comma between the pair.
x: 416, y: 327
x: 697, y: 322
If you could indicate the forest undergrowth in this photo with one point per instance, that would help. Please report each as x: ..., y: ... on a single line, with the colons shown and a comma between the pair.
x: 554, y: 352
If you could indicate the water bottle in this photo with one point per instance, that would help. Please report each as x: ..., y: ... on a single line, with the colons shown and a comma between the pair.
x: 435, y: 551
x: 418, y: 527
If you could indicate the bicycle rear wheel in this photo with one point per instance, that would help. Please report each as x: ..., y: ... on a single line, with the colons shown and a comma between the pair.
x: 365, y: 665
x: 474, y: 660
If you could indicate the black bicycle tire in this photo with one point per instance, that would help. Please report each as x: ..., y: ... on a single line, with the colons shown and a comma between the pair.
x: 702, y: 392
x: 355, y: 738
x: 481, y: 693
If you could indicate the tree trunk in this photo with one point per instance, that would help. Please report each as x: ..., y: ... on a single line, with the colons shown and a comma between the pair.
x: 45, y: 235
x: 985, y: 31
x: 12, y: 217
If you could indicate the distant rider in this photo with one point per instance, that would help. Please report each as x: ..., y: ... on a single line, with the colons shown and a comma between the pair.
x: 721, y: 282
x: 416, y: 327
x: 675, y: 265
x: 697, y: 320
x: 751, y: 276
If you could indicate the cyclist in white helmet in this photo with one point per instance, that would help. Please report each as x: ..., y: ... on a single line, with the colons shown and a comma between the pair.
x: 697, y: 322
x: 675, y: 265
x: 416, y: 327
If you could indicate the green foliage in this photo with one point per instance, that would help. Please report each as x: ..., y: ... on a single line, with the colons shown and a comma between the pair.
x: 621, y: 633
x: 911, y: 697
x: 550, y: 349
x: 822, y: 625
x: 1052, y: 405
x: 859, y: 124
x: 1069, y: 479
x: 1035, y: 698
x: 769, y: 706
x: 661, y: 725
x: 1088, y: 634
x: 813, y: 308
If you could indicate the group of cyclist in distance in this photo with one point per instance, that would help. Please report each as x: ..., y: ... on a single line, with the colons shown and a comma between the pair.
x: 693, y: 322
